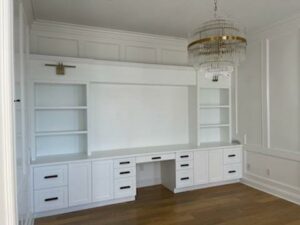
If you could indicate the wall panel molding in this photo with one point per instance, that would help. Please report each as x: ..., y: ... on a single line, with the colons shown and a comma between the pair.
x: 133, y: 47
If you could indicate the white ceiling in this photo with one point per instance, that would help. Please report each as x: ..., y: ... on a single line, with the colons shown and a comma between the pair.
x: 163, y: 17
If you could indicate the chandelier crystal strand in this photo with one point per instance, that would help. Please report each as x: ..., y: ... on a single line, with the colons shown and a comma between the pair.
x: 218, y: 46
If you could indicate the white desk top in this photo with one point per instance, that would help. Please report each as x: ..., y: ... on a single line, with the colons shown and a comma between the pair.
x: 130, y: 152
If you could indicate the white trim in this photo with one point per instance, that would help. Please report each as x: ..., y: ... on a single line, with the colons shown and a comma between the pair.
x: 278, y: 153
x: 272, y: 187
x: 82, y: 207
x: 236, y: 99
x: 268, y: 90
x: 8, y: 208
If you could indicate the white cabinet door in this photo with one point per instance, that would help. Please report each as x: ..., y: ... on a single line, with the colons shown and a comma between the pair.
x: 216, y: 166
x: 103, y: 180
x: 80, y: 187
x: 200, y: 167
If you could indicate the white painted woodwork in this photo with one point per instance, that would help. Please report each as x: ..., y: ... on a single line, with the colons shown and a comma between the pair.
x: 232, y: 156
x: 201, y: 163
x: 50, y: 176
x: 233, y: 171
x: 102, y: 180
x: 125, y: 187
x: 51, y: 38
x: 50, y: 199
x: 216, y: 168
x: 155, y: 158
x: 80, y: 183
x: 184, y: 178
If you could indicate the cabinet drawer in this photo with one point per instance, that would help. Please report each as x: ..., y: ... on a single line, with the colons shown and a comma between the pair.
x: 50, y: 199
x: 50, y: 176
x: 180, y: 156
x: 125, y: 187
x: 232, y: 156
x: 184, y: 178
x: 125, y: 162
x: 124, y: 172
x: 233, y: 171
x: 183, y: 165
x: 154, y: 158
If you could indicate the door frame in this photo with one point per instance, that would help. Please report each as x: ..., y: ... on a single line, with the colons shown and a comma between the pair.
x: 8, y: 205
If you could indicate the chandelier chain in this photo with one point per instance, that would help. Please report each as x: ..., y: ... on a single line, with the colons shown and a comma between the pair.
x: 216, y: 7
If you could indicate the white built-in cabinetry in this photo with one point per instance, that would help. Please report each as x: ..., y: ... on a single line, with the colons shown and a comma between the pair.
x: 91, y: 128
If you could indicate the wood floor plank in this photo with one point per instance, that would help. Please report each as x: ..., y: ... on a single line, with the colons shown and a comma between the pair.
x: 234, y: 204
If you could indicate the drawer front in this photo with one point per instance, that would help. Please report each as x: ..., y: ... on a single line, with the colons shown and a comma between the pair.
x: 223, y: 82
x: 233, y: 171
x: 232, y: 156
x: 184, y: 178
x: 124, y: 172
x: 154, y: 158
x: 181, y: 156
x: 125, y: 162
x: 50, y: 176
x: 50, y: 199
x: 125, y: 187
x: 183, y: 165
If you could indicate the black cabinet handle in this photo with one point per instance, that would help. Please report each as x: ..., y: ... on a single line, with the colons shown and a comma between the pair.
x: 125, y: 187
x: 51, y: 199
x: 50, y: 176
x: 155, y: 158
x: 232, y: 171
x: 184, y: 156
x: 185, y: 178
x: 230, y: 156
x: 125, y: 172
x: 184, y: 165
x: 17, y: 100
x: 123, y: 163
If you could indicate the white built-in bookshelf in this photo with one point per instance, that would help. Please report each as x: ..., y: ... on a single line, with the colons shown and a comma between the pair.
x: 60, y: 119
x: 214, y: 114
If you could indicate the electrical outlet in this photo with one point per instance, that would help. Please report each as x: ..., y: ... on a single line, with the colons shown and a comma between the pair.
x: 141, y: 167
x: 268, y: 171
x: 248, y: 166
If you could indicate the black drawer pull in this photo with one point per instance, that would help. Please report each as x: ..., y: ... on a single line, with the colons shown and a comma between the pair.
x: 185, y: 178
x: 50, y: 176
x: 125, y: 172
x: 155, y: 158
x: 233, y: 155
x: 232, y: 171
x: 51, y: 199
x: 184, y: 156
x: 184, y: 165
x: 125, y: 187
x: 123, y: 163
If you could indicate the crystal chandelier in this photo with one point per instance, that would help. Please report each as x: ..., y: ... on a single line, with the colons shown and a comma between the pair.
x: 217, y: 47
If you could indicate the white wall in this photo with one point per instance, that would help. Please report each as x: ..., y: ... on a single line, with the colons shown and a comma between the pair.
x: 268, y: 109
x: 51, y: 38
x: 21, y: 55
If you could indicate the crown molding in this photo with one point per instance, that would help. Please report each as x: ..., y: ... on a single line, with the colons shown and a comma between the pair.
x: 82, y: 30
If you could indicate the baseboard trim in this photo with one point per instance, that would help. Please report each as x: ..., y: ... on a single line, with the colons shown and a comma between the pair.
x: 82, y: 207
x: 29, y: 220
x: 272, y: 187
x: 197, y: 187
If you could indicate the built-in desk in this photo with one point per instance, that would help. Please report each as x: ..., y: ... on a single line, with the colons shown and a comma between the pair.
x: 73, y: 182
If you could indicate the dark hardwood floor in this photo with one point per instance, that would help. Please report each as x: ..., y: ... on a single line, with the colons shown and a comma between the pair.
x: 234, y: 204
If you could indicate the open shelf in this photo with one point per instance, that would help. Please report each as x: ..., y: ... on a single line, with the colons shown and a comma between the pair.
x: 214, y: 96
x: 60, y: 119
x: 214, y: 125
x: 214, y: 134
x: 60, y: 145
x: 60, y: 95
x: 213, y: 106
x: 60, y: 133
x: 61, y: 108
